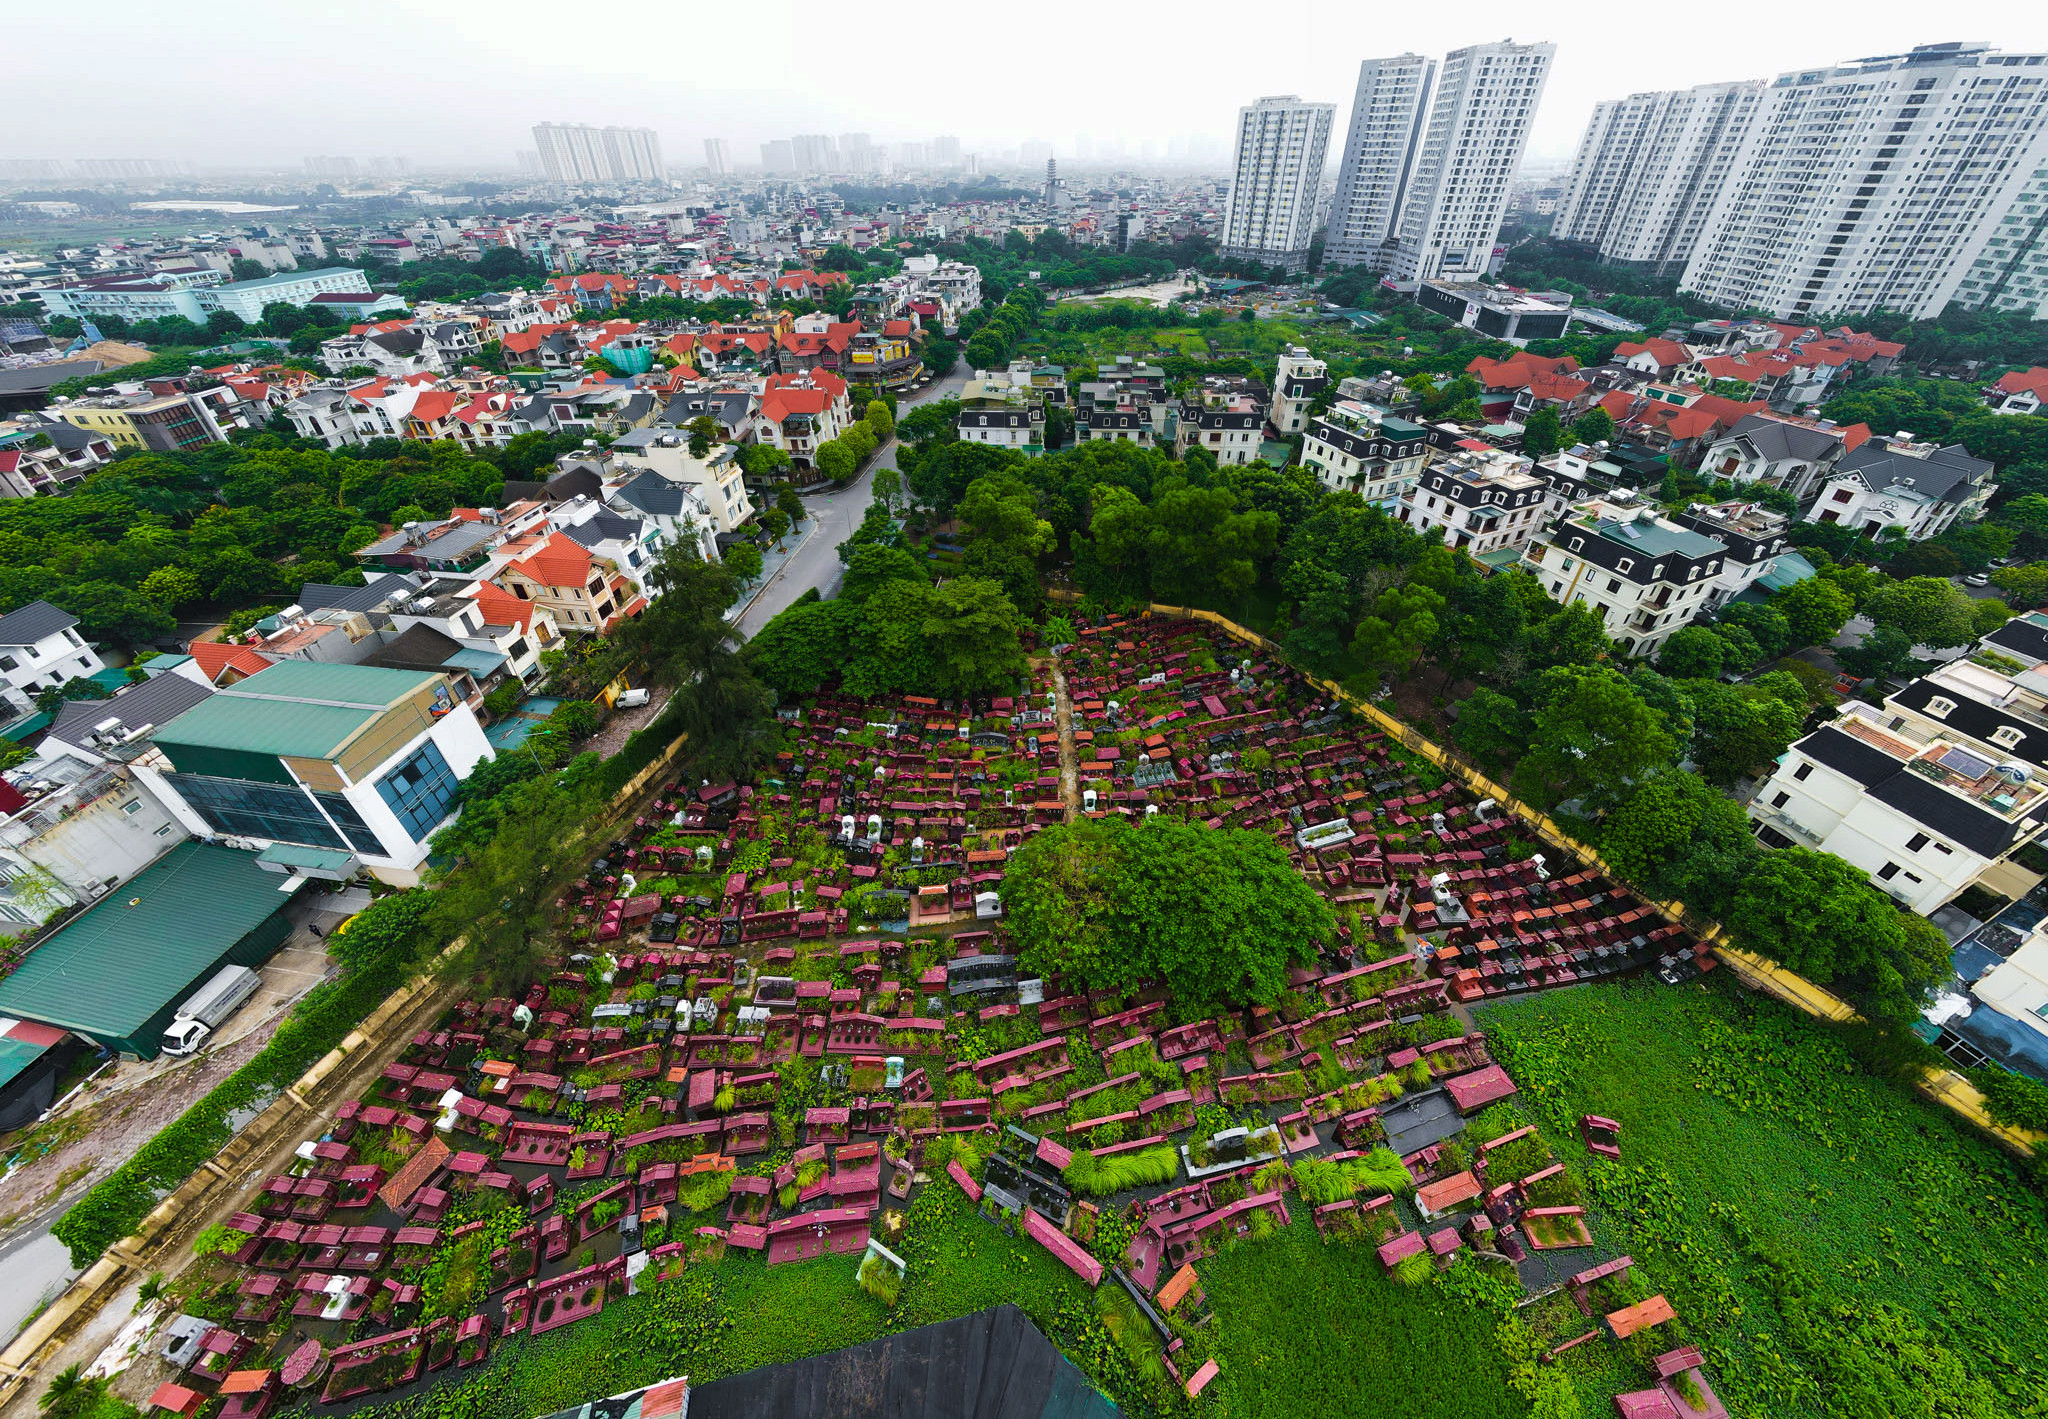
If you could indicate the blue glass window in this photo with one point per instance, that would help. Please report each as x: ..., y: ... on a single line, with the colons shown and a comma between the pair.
x: 351, y: 823
x: 419, y: 791
x: 279, y: 812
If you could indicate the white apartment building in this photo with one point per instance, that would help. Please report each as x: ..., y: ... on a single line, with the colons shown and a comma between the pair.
x: 1649, y: 169
x: 40, y: 648
x: 1360, y: 448
x: 1226, y: 422
x: 1752, y: 533
x: 1281, y: 146
x: 1379, y: 151
x: 2011, y: 271
x: 1298, y: 378
x: 718, y: 157
x: 1488, y: 503
x: 1901, y: 483
x: 717, y: 478
x: 580, y: 152
x: 1876, y: 183
x: 1926, y: 794
x: 1486, y: 97
x: 1645, y: 575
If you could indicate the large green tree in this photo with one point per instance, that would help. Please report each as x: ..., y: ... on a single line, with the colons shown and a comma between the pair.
x: 1218, y: 915
x: 684, y: 640
x: 1815, y: 610
x: 1662, y: 822
x: 1592, y: 738
x: 1819, y: 916
x: 1932, y: 611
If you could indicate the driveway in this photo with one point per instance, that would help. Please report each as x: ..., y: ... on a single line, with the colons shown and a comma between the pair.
x: 816, y: 563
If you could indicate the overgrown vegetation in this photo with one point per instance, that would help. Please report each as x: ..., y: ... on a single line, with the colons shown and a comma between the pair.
x: 1840, y: 1247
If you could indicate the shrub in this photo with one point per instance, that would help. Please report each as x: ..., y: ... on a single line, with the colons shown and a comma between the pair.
x: 704, y: 1191
x: 1414, y: 1270
x: 880, y: 1280
x: 1099, y: 1177
x: 2013, y: 1099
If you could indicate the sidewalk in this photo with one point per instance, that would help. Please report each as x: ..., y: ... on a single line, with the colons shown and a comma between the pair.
x: 772, y: 565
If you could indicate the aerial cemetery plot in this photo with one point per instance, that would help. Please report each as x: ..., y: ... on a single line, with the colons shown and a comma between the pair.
x: 791, y: 1025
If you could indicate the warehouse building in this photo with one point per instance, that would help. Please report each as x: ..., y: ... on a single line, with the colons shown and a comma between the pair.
x: 116, y: 973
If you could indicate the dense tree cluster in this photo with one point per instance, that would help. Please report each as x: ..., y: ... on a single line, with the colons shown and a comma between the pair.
x: 232, y: 525
x: 1218, y: 914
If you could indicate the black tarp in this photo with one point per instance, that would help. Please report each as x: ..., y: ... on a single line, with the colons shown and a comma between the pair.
x: 993, y: 1364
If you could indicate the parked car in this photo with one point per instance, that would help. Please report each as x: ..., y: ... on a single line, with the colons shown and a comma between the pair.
x: 1977, y: 579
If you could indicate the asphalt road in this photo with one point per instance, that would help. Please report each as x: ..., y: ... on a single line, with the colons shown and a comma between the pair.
x: 837, y: 514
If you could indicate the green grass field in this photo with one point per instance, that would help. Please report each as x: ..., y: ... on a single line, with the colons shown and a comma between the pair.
x: 1839, y: 1247
x: 741, y: 1313
x: 1304, y: 1329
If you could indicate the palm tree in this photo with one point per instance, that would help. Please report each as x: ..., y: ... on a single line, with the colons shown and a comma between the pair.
x: 70, y: 1393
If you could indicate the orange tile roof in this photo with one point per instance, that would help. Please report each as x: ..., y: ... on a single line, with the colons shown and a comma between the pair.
x: 559, y: 561
x: 501, y: 608
x: 212, y: 657
x: 2034, y: 381
x: 398, y: 1189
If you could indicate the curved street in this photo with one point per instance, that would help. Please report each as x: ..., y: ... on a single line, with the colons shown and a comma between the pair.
x: 836, y: 514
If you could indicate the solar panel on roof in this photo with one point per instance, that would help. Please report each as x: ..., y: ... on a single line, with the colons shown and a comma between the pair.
x: 1962, y: 761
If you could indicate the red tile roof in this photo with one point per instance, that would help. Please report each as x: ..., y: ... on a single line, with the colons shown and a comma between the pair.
x: 212, y: 657
x: 559, y: 561
x: 2034, y: 381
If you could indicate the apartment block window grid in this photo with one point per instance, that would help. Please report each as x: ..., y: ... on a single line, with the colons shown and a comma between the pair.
x: 419, y: 791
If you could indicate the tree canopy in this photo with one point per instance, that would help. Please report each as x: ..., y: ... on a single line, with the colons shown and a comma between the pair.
x: 1218, y: 914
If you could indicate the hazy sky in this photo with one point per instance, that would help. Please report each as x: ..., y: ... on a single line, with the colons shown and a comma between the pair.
x: 443, y: 84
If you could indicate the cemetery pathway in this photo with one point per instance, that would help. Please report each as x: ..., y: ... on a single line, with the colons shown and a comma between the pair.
x: 1070, y: 774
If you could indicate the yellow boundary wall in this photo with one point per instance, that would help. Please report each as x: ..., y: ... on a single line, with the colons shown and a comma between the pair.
x: 1945, y: 1087
x: 154, y: 1244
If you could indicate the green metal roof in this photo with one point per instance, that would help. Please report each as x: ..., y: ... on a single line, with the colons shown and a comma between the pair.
x: 298, y: 855
x: 302, y: 708
x: 110, y: 969
x: 17, y: 1055
x: 1788, y: 569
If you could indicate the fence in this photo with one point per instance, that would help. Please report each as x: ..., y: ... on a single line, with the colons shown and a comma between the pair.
x: 258, y: 1146
x: 1944, y: 1086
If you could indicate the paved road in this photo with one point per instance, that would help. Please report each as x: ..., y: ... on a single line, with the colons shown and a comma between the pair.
x: 816, y: 563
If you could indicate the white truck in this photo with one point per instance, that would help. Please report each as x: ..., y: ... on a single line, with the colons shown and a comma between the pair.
x: 220, y: 997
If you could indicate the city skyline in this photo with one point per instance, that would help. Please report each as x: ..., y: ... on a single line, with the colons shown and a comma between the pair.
x: 408, y: 101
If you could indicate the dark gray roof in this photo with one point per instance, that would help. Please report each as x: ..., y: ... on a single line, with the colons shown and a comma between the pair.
x: 1946, y: 473
x: 399, y: 342
x: 727, y: 406
x: 67, y: 436
x: 1846, y: 755
x: 1885, y: 779
x: 654, y: 495
x: 2023, y: 637
x: 605, y: 527
x: 1774, y: 438
x: 420, y: 647
x: 157, y: 700
x: 1978, y: 720
x: 34, y: 621
x: 519, y: 490
x: 376, y: 590
x: 993, y: 1364
x: 1946, y: 815
x: 574, y: 483
x: 36, y: 378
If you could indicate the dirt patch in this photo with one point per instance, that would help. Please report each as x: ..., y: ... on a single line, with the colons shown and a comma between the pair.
x: 624, y: 724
